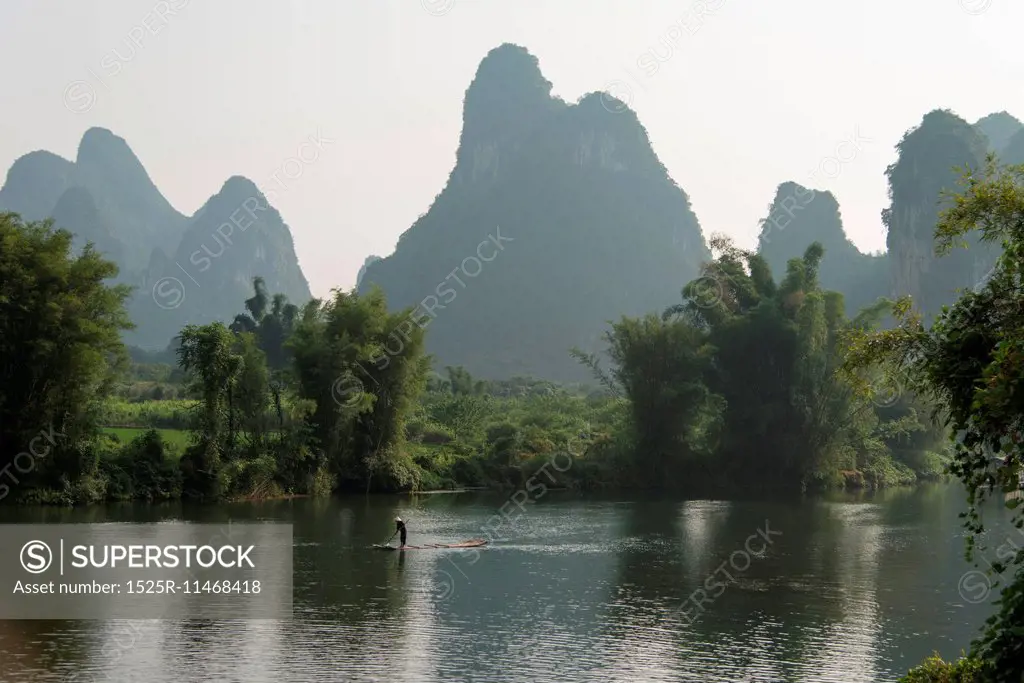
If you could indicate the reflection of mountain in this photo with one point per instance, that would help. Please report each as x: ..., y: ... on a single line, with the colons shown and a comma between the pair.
x: 665, y: 545
x: 421, y: 633
x: 923, y: 555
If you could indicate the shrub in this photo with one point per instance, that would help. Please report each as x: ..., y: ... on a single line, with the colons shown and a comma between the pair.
x: 468, y: 472
x: 934, y: 670
x: 933, y: 466
x: 883, y: 470
x: 145, y: 469
x: 321, y: 482
x: 437, y: 434
x: 254, y: 477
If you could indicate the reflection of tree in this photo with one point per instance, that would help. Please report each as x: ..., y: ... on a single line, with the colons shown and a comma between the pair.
x: 663, y: 546
x: 677, y: 550
x: 538, y: 597
x: 29, y: 640
x: 651, y: 559
x: 605, y: 577
x: 336, y: 578
x: 925, y: 555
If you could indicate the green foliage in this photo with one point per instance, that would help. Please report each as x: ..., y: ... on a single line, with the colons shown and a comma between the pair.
x: 971, y: 363
x: 332, y: 397
x: 934, y: 670
x: 502, y: 441
x: 251, y: 435
x: 206, y: 354
x: 739, y: 385
x: 883, y: 471
x: 254, y: 477
x: 164, y: 414
x: 800, y: 216
x: 60, y: 326
x: 178, y: 439
x: 362, y: 368
x: 252, y: 392
x: 660, y: 365
x: 272, y: 327
x: 424, y: 430
x: 461, y: 383
x: 143, y: 469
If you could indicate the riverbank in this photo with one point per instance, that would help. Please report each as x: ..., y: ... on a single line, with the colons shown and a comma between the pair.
x: 150, y: 470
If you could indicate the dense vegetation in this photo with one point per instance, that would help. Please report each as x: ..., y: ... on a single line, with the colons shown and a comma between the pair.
x: 969, y: 362
x: 60, y: 344
x: 339, y: 395
x: 746, y: 361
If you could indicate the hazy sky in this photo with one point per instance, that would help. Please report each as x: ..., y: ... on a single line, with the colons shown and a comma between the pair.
x: 753, y: 93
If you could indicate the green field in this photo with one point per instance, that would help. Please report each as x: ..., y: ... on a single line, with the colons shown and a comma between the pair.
x: 176, y: 437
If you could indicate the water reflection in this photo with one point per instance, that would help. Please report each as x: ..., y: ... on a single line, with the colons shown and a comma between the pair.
x: 849, y: 588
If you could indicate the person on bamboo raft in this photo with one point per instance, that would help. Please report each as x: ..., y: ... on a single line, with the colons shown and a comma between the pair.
x: 400, y: 529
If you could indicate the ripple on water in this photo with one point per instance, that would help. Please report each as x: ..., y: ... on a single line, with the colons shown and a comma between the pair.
x: 581, y: 592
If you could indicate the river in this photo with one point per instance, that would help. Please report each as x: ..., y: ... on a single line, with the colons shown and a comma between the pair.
x: 576, y: 588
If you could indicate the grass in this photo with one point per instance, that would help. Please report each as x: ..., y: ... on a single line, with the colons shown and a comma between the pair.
x: 175, y: 437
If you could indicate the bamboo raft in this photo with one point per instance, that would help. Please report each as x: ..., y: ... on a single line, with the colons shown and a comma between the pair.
x: 473, y: 543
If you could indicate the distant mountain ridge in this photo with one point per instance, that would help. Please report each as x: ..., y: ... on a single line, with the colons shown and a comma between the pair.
x: 600, y: 230
x: 918, y: 182
x: 800, y: 216
x: 589, y: 224
x: 998, y: 128
x: 555, y: 219
x: 106, y: 197
x: 362, y: 269
x: 925, y: 168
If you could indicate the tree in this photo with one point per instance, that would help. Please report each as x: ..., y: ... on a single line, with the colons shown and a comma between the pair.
x: 756, y: 363
x: 661, y: 366
x: 252, y: 391
x: 970, y: 361
x: 206, y: 354
x: 461, y: 382
x: 774, y: 352
x: 272, y: 328
x: 60, y: 346
x: 363, y: 368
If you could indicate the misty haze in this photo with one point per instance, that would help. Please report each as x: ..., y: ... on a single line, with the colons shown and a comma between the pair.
x: 521, y: 340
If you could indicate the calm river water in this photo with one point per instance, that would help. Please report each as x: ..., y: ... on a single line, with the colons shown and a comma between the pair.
x: 848, y: 589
